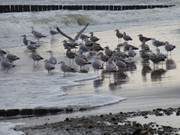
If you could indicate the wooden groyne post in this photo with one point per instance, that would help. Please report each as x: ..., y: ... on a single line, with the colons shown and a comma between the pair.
x: 37, y: 8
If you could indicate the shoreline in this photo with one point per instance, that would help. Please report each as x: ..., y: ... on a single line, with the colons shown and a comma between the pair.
x: 118, y: 123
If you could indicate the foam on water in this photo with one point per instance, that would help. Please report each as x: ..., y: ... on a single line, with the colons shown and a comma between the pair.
x: 22, y: 91
x: 6, y: 128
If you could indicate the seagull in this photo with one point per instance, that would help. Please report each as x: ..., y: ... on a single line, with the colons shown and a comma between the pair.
x: 93, y: 38
x: 36, y: 57
x: 157, y: 43
x: 120, y: 64
x: 83, y: 48
x: 27, y: 42
x: 65, y: 68
x: 108, y: 51
x: 84, y: 37
x: 69, y: 45
x: 70, y: 54
x: 97, y: 47
x: 111, y: 66
x: 118, y: 35
x: 2, y: 53
x: 12, y: 57
x: 37, y: 35
x: 145, y: 54
x: 128, y: 46
x: 76, y: 37
x: 157, y: 58
x: 120, y: 54
x: 80, y: 61
x: 103, y: 57
x: 131, y: 52
x: 126, y: 37
x: 145, y: 47
x: 169, y: 47
x: 49, y: 66
x: 33, y: 47
x: 6, y: 64
x: 89, y: 43
x: 97, y: 64
x: 52, y: 59
x: 143, y: 39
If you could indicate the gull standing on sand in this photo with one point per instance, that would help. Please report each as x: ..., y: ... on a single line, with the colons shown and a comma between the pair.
x: 126, y: 37
x: 65, y: 68
x: 6, y: 64
x: 128, y: 46
x: 143, y: 39
x: 157, y: 43
x: 80, y: 61
x: 93, y: 38
x: 119, y: 35
x: 120, y: 64
x: 2, y: 53
x: 36, y: 57
x: 37, y: 35
x: 157, y: 58
x: 32, y: 47
x: 84, y: 37
x: 48, y: 66
x: 70, y: 55
x: 97, y: 47
x: 131, y: 52
x: 145, y: 47
x: 103, y: 57
x: 27, y: 42
x: 97, y: 64
x: 12, y: 57
x: 108, y: 51
x: 111, y: 66
x: 52, y: 59
x: 169, y: 47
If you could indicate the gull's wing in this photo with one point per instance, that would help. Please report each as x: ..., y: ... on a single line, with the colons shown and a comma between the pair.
x: 80, y: 32
x: 62, y: 33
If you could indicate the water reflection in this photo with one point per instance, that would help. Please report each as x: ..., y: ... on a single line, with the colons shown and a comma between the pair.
x: 119, y: 78
x: 157, y: 74
x: 99, y: 82
x: 170, y: 64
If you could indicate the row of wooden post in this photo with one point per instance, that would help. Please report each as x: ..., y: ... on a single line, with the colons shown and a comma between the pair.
x: 36, y: 8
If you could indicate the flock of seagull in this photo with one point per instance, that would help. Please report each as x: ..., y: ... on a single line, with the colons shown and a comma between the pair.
x: 84, y: 49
